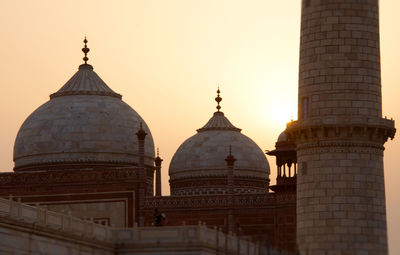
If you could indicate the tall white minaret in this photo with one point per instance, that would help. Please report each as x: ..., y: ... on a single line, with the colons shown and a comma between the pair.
x: 340, y: 132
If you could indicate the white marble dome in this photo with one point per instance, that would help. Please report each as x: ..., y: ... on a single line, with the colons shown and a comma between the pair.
x: 282, y: 137
x: 204, y: 153
x: 85, y: 123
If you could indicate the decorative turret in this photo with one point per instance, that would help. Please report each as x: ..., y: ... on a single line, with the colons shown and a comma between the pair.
x: 286, y: 162
x: 230, y: 160
x: 285, y: 187
x: 158, y: 162
x: 144, y: 176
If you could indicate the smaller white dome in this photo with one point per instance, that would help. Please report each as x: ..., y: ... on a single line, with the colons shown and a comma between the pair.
x: 282, y: 137
x: 201, y: 159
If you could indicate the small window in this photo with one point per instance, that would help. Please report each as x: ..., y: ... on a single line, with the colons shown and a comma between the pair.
x: 305, y: 108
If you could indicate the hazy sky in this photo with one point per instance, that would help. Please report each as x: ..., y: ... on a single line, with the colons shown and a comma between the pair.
x: 167, y: 58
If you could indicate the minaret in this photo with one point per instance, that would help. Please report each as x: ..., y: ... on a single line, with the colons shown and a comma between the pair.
x: 141, y: 135
x: 340, y: 131
x: 158, y: 162
x: 230, y: 162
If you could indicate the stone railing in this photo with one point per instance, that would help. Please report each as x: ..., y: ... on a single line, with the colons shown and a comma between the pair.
x: 136, y: 239
x: 186, y: 236
x: 212, y: 201
x: 52, y: 220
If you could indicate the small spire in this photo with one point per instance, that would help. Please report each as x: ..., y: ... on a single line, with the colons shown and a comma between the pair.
x: 218, y: 99
x: 158, y: 160
x: 141, y: 134
x: 85, y: 50
x: 230, y: 159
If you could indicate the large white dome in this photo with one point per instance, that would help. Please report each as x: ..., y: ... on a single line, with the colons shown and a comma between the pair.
x: 85, y: 123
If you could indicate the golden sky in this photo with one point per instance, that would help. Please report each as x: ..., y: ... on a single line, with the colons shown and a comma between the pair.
x: 167, y: 58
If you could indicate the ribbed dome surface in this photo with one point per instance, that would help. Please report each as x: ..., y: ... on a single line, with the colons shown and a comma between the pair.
x: 219, y: 122
x: 84, y: 123
x: 85, y: 82
x: 204, y: 153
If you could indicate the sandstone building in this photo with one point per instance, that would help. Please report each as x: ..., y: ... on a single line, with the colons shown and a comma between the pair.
x: 87, y: 154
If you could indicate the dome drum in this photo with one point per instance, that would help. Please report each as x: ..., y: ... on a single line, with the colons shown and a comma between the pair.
x: 217, y: 185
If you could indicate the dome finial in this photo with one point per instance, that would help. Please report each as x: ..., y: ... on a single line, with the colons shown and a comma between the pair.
x: 85, y: 50
x: 158, y: 152
x: 218, y: 99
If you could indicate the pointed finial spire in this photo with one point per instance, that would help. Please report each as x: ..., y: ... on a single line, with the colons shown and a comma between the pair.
x: 230, y: 159
x: 218, y: 99
x: 85, y: 50
x: 158, y: 160
x: 141, y: 134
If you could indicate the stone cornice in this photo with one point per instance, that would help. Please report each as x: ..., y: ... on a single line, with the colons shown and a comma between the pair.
x: 67, y: 176
x: 86, y: 93
x: 215, y: 201
x: 375, y: 131
x: 74, y: 164
x: 218, y: 173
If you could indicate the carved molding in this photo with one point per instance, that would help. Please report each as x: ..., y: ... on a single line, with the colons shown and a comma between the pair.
x: 67, y: 176
x: 80, y: 92
x: 314, y: 131
x: 339, y: 147
x: 215, y: 201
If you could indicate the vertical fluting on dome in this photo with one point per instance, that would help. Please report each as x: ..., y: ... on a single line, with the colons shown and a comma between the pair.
x: 340, y: 132
x: 85, y: 82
